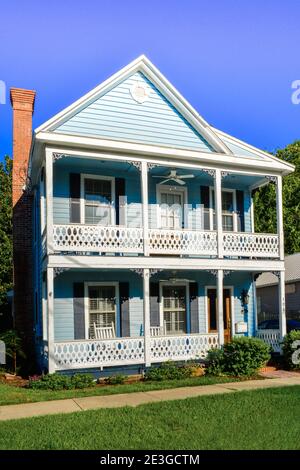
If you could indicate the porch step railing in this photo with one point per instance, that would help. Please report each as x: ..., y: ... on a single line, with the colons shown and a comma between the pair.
x: 81, y: 238
x: 271, y: 337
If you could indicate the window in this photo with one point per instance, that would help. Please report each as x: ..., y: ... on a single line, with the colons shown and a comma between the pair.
x: 98, y: 202
x: 171, y: 210
x: 102, y: 307
x: 174, y: 309
x: 228, y: 210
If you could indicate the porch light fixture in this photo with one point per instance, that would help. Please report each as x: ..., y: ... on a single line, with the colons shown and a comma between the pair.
x: 244, y: 297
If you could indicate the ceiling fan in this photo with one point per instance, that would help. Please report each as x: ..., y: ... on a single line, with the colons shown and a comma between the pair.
x: 173, y: 176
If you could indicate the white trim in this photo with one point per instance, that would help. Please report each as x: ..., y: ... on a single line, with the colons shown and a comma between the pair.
x: 160, y: 188
x: 88, y: 284
x: 180, y: 283
x: 83, y: 177
x: 232, y: 316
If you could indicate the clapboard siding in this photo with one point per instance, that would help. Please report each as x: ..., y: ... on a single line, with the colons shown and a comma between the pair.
x: 116, y: 115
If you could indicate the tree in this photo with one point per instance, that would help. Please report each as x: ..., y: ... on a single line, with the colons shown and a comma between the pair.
x: 6, y: 256
x: 265, y: 202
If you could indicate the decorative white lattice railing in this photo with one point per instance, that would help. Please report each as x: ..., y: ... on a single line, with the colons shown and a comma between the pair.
x: 182, y: 347
x: 271, y: 337
x: 250, y: 244
x: 98, y: 238
x: 190, y: 242
x: 98, y: 353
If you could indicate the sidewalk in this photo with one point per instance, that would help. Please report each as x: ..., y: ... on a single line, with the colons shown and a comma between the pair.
x: 28, y: 410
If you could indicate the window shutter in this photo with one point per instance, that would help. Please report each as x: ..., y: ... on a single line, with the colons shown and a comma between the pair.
x: 154, y: 304
x: 204, y: 199
x: 120, y: 191
x: 194, y: 307
x: 124, y: 308
x: 240, y: 210
x: 74, y: 198
x: 78, y: 305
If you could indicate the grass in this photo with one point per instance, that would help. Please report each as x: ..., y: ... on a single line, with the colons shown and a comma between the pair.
x: 261, y: 419
x: 10, y: 394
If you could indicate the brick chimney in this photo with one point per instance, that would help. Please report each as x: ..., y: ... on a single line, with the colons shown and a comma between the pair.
x: 22, y: 103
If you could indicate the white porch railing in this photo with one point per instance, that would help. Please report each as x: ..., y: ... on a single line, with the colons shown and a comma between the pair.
x: 98, y: 238
x: 182, y: 348
x: 271, y: 337
x: 98, y: 353
x: 250, y: 244
x: 128, y: 351
x: 190, y: 242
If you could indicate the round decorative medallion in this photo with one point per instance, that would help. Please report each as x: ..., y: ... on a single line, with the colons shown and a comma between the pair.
x: 139, y: 92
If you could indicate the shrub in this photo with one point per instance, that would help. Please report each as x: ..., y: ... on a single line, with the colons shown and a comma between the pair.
x: 243, y: 356
x: 115, y: 379
x: 168, y: 371
x: 288, y: 349
x: 60, y: 382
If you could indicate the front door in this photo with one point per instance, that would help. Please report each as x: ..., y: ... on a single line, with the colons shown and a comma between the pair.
x: 171, y: 209
x: 212, y: 312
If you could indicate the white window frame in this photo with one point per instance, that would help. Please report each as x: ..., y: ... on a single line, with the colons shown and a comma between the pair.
x: 232, y: 320
x: 85, y: 176
x: 42, y: 200
x: 211, y: 212
x: 86, y: 303
x: 164, y: 188
x: 178, y: 283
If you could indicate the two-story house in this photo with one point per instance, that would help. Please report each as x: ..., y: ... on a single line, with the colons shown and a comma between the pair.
x: 144, y: 242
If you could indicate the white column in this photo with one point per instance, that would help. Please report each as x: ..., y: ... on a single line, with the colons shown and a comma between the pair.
x: 146, y: 316
x: 49, y: 200
x: 220, y: 318
x: 218, y: 208
x: 280, y: 216
x: 50, y: 311
x: 281, y: 300
x: 144, y: 186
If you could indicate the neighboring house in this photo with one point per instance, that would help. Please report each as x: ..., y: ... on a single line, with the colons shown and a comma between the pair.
x: 143, y: 237
x: 267, y: 292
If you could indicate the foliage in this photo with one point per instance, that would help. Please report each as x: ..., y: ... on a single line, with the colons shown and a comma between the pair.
x: 168, y: 371
x: 265, y: 197
x: 117, y: 379
x: 288, y: 349
x: 243, y: 356
x: 61, y: 382
x: 13, y: 346
x: 5, y: 230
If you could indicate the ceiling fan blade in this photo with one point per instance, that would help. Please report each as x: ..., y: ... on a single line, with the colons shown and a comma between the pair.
x: 159, y: 176
x: 186, y: 176
x: 178, y: 180
x: 165, y: 181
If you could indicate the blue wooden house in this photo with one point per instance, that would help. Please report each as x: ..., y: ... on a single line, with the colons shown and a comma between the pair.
x: 145, y: 248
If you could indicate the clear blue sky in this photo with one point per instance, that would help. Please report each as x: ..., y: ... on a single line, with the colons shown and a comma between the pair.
x: 233, y: 60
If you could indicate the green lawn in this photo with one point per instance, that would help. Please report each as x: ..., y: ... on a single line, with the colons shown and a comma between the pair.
x: 261, y: 419
x: 10, y: 394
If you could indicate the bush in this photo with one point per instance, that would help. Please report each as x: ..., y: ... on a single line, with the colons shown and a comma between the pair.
x: 117, y: 379
x: 243, y: 356
x: 60, y: 382
x: 168, y: 371
x: 288, y: 349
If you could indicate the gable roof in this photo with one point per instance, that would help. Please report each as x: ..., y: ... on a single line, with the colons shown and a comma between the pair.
x: 292, y: 272
x: 143, y: 66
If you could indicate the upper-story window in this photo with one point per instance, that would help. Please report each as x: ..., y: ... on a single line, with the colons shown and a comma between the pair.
x: 229, y: 221
x: 98, y: 200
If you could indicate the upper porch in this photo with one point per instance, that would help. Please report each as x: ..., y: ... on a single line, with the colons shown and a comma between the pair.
x: 106, y: 204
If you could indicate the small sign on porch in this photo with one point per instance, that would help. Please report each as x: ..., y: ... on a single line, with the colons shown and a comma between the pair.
x: 241, y: 327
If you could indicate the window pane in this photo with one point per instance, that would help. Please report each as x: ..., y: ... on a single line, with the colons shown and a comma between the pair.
x: 102, y: 307
x: 174, y: 307
x: 227, y: 221
x: 227, y: 201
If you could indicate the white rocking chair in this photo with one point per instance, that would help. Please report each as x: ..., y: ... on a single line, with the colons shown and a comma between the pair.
x: 104, y: 332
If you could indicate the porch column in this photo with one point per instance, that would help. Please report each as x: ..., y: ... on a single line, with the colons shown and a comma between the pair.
x: 49, y: 200
x: 218, y: 207
x: 281, y: 300
x: 50, y: 320
x: 146, y: 315
x: 220, y: 319
x: 280, y: 217
x: 144, y: 186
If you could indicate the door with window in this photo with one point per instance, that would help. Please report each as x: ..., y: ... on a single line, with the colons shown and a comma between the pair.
x: 171, y: 209
x: 98, y: 201
x: 174, y: 309
x: 102, y: 307
x: 212, y: 312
